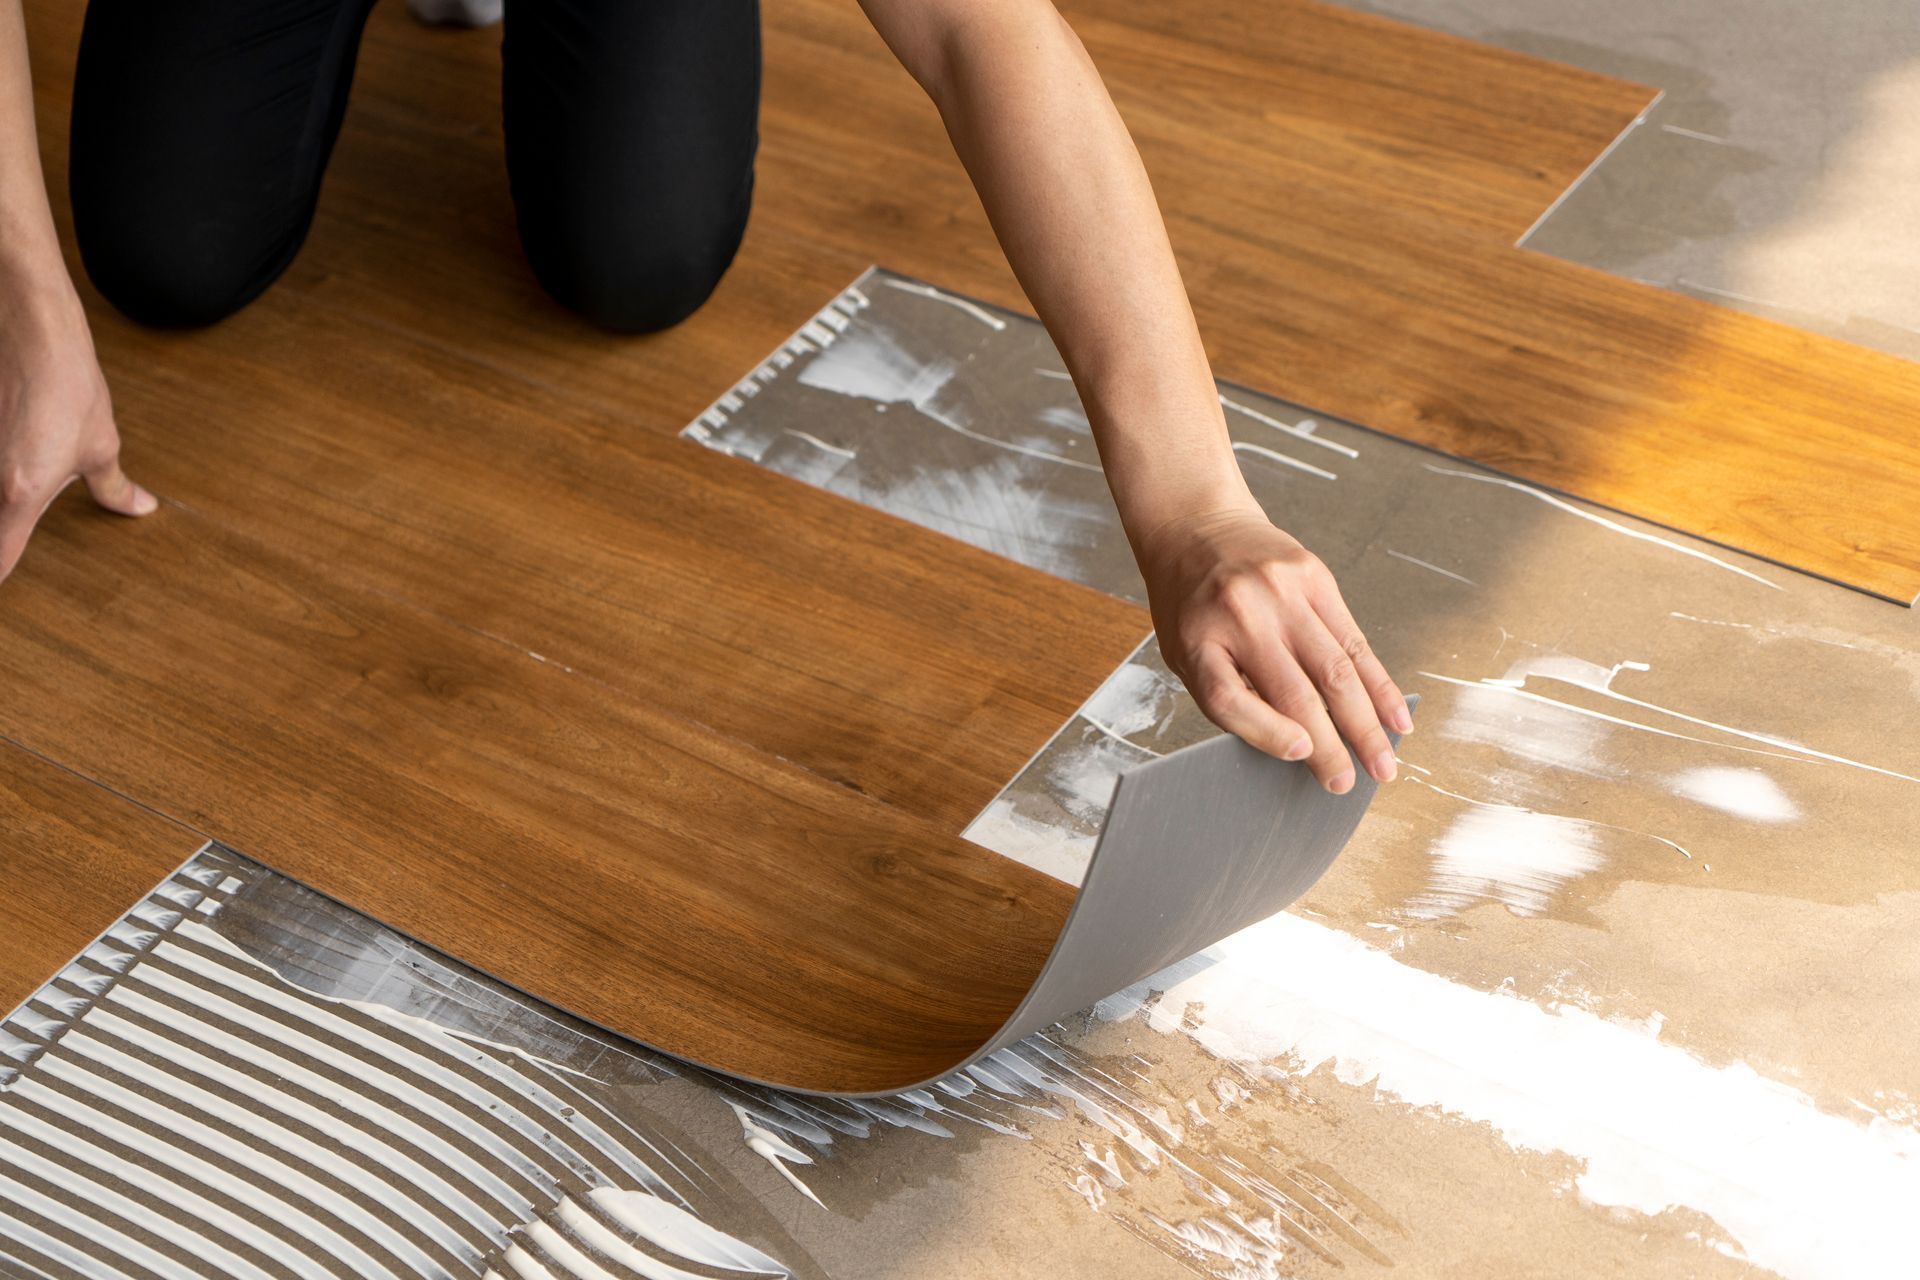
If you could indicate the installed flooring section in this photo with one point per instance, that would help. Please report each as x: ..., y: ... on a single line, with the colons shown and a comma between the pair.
x: 1345, y: 194
x: 72, y: 856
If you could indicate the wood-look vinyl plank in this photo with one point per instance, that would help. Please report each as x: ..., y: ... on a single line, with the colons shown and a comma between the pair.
x: 73, y: 858
x: 635, y: 868
x: 1344, y: 193
x: 558, y: 693
x: 870, y: 651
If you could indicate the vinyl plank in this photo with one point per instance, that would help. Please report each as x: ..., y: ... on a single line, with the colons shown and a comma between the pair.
x: 630, y: 866
x: 434, y: 575
x: 867, y: 650
x: 73, y: 857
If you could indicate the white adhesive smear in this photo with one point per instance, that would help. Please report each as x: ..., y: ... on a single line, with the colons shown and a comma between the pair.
x: 1426, y: 564
x: 1040, y: 845
x: 1603, y: 522
x: 1595, y: 678
x: 999, y: 504
x: 1549, y: 735
x: 774, y: 1149
x: 1809, y: 1194
x: 1508, y: 855
x: 674, y: 1229
x: 1302, y: 430
x: 978, y: 312
x: 1082, y: 775
x: 868, y: 365
x: 592, y: 1232
x: 1133, y: 698
x: 1261, y: 451
x: 871, y: 366
x: 1745, y: 793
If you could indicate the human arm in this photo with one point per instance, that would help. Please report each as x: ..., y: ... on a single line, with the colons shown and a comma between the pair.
x: 1250, y: 620
x: 56, y: 417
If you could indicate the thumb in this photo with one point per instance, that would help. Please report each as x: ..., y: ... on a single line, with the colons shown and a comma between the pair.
x: 111, y: 489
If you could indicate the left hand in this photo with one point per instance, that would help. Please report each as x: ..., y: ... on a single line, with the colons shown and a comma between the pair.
x: 56, y: 417
x: 1253, y: 623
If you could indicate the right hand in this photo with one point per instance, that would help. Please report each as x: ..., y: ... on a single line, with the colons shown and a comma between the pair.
x: 1254, y: 625
x: 56, y: 419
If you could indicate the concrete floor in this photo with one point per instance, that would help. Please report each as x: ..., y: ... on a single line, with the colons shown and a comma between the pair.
x: 1779, y: 171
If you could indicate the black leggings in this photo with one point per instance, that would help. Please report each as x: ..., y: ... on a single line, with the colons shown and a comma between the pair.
x: 201, y: 130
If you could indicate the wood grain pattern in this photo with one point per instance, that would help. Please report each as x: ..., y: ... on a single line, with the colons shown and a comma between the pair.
x: 1344, y: 193
x: 73, y: 858
x: 640, y: 870
x: 441, y: 619
x: 864, y: 649
x: 1362, y: 261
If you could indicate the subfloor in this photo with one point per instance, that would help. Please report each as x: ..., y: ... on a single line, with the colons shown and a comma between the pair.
x: 1778, y: 170
x: 297, y: 658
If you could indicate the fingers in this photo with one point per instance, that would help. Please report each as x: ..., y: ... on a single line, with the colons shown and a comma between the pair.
x: 1269, y: 648
x: 108, y: 485
x: 1224, y: 695
x: 1278, y: 677
x: 1338, y: 678
x: 111, y: 489
x: 1388, y: 701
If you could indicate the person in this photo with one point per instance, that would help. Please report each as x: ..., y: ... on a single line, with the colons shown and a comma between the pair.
x: 201, y: 132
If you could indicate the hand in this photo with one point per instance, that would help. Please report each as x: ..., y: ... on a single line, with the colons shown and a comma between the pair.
x: 1254, y: 625
x: 56, y: 419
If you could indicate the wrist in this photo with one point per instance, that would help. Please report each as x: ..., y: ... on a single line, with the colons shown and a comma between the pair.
x: 1164, y: 445
x: 1185, y: 504
x: 37, y: 296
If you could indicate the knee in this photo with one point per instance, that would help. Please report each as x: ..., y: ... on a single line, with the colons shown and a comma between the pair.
x: 168, y: 281
x: 638, y: 289
x: 635, y: 280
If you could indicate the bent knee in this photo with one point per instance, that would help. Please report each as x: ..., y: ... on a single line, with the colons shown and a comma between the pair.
x: 636, y: 278
x: 642, y: 289
x: 168, y: 281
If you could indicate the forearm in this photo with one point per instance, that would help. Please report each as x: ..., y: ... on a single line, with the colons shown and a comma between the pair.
x: 1071, y: 204
x: 31, y: 268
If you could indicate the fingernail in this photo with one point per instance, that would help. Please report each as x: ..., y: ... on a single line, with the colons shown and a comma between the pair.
x: 1341, y: 784
x: 1382, y: 767
x: 1299, y: 750
x: 143, y: 502
x: 1403, y: 721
